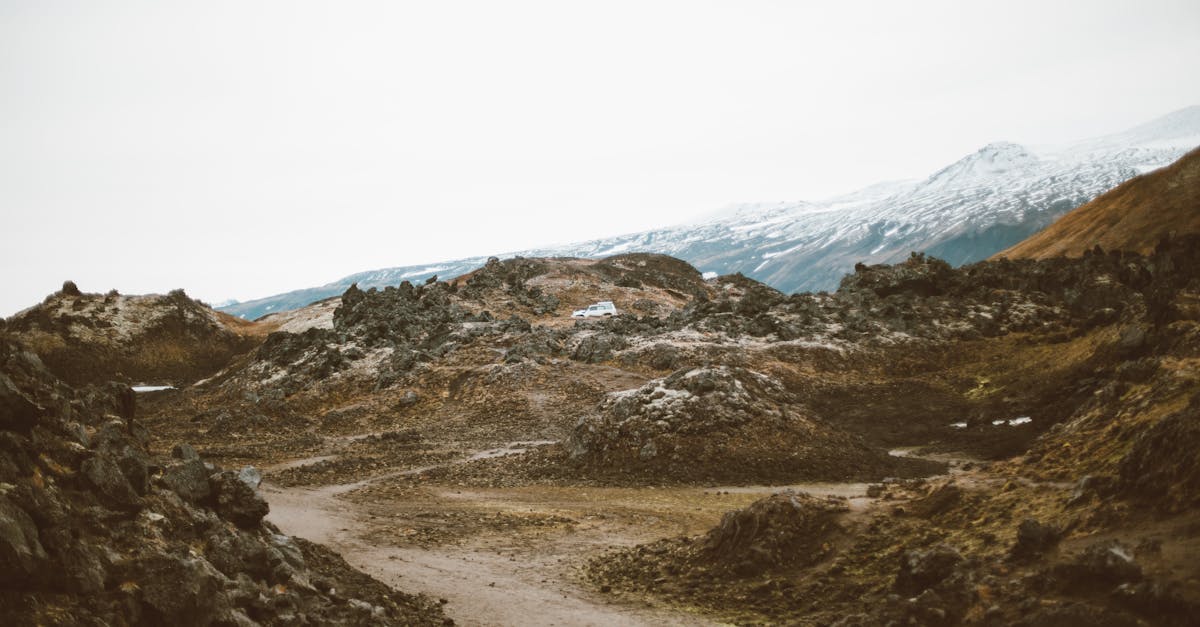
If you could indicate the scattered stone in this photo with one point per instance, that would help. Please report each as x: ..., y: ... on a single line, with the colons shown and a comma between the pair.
x: 1034, y: 539
x: 939, y: 500
x: 185, y: 452
x: 923, y: 569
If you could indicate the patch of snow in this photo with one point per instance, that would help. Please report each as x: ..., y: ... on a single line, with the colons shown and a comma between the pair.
x: 424, y: 271
x: 151, y: 388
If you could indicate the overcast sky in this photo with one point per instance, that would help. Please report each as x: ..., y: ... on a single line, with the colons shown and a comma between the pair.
x: 240, y: 149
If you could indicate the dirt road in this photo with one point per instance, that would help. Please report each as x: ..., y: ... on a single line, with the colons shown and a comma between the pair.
x: 495, y: 575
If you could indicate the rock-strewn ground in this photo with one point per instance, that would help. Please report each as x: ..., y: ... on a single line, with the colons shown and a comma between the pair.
x: 95, y: 530
x: 444, y: 419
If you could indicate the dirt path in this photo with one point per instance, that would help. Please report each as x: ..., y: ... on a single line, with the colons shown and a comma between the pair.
x: 493, y: 578
x: 511, y: 556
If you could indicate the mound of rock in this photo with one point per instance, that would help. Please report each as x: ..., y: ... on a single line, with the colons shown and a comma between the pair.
x: 389, y: 331
x: 90, y: 338
x: 750, y: 556
x: 718, y: 423
x: 653, y: 270
x: 94, y: 530
x: 782, y: 530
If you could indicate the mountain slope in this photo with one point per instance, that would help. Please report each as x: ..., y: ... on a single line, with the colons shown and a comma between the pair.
x: 966, y: 212
x: 1134, y: 216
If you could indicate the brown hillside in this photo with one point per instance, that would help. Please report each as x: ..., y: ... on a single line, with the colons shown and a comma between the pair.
x: 1133, y: 216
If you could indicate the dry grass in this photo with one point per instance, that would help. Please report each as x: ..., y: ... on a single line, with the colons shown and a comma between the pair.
x: 1134, y: 216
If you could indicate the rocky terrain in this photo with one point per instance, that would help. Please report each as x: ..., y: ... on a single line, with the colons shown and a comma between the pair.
x: 1007, y: 442
x: 1058, y: 390
x: 97, y: 530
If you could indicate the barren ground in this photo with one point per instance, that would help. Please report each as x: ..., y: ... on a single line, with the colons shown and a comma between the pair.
x: 514, y: 555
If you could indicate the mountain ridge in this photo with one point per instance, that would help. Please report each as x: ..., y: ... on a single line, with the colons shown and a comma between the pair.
x: 967, y: 211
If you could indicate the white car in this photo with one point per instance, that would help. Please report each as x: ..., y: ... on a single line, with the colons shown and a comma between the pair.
x: 601, y: 309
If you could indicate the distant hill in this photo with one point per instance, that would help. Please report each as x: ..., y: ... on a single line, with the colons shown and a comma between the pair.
x: 1133, y: 216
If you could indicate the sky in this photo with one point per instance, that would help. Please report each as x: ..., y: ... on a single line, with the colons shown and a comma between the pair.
x: 242, y: 149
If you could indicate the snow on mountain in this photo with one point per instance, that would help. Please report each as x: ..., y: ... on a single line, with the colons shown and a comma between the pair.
x: 965, y: 212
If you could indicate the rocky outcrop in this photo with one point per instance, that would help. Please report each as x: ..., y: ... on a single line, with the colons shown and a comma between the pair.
x: 94, y: 338
x: 719, y: 423
x: 95, y: 530
x: 783, y: 530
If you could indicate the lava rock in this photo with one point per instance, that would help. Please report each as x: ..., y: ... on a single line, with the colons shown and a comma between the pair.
x: 1078, y: 615
x: 785, y: 529
x: 184, y: 451
x: 237, y: 501
x: 179, y: 590
x: 106, y: 475
x: 17, y: 413
x: 597, y: 348
x: 1034, y: 538
x: 921, y: 570
x: 1104, y: 564
x: 21, y: 554
x: 939, y: 500
x: 250, y: 476
x: 189, y: 480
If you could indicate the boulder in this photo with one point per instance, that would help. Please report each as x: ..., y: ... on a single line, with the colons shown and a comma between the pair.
x: 1034, y: 538
x: 939, y: 500
x: 189, y: 479
x: 184, y: 451
x: 250, y: 476
x: 179, y: 590
x: 17, y: 412
x: 1106, y: 563
x: 237, y: 501
x: 924, y: 569
x: 107, y: 477
x: 21, y: 554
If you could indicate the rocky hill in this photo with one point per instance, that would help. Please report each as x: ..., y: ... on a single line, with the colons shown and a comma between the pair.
x: 1091, y: 522
x: 1135, y: 216
x: 97, y: 530
x: 95, y: 338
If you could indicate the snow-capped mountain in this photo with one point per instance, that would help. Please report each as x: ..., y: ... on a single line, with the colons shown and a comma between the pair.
x: 967, y: 211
